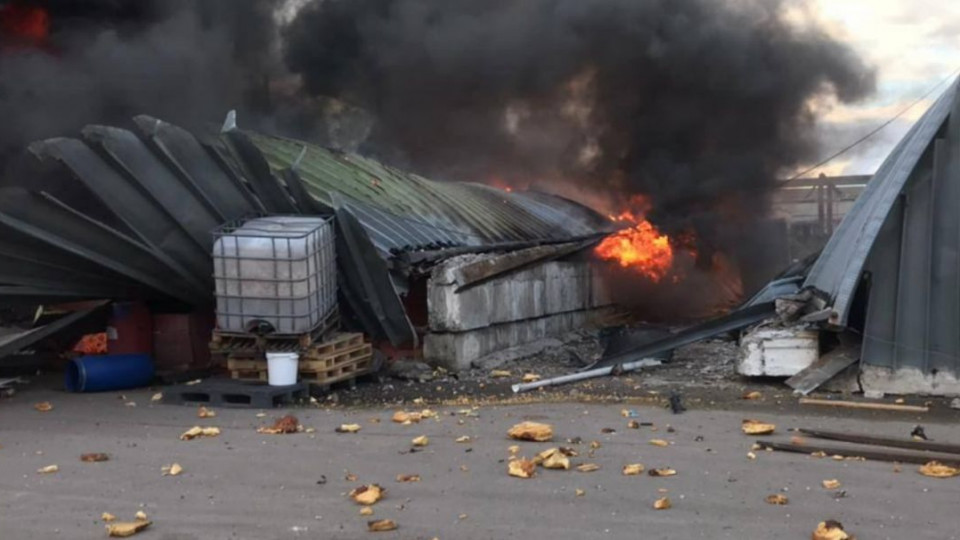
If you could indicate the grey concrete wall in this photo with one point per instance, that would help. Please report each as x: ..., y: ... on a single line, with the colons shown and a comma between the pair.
x: 458, y: 350
x: 545, y: 289
x: 544, y: 300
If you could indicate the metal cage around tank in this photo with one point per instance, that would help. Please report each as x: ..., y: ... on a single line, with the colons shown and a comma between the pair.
x: 275, y: 275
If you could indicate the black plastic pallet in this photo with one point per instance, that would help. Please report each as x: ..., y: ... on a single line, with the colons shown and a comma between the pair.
x: 231, y: 393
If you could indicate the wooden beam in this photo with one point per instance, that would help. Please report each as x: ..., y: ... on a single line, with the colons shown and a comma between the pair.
x: 864, y: 405
x: 873, y: 455
x: 909, y: 444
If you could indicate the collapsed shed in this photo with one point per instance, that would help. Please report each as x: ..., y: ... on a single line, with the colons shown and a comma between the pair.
x: 887, y: 283
x: 415, y: 257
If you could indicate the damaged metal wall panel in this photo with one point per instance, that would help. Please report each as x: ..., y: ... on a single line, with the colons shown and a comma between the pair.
x: 258, y: 174
x: 913, y: 313
x: 217, y: 189
x: 837, y: 272
x: 32, y: 215
x: 143, y: 168
x: 135, y: 209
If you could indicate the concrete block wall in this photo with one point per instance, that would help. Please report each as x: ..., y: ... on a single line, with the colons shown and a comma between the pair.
x: 547, y: 299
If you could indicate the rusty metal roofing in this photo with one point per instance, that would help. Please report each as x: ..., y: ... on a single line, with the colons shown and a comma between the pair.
x: 403, y: 211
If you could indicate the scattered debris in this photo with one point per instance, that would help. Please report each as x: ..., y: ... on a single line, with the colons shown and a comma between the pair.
x: 157, y: 397
x: 918, y: 434
x: 521, y: 468
x: 197, y: 431
x: 366, y: 511
x: 756, y: 427
x: 676, y: 403
x: 632, y: 469
x: 830, y: 530
x: 286, y: 425
x: 513, y: 449
x: 531, y: 431
x: 203, y: 412
x: 140, y: 515
x: 404, y: 417
x: 659, y: 442
x: 864, y: 405
x: 49, y: 469
x: 579, y: 492
x: 108, y: 517
x: 662, y: 472
x: 955, y: 403
x: 663, y: 503
x: 832, y: 483
x: 595, y: 444
x: 427, y: 413
x: 633, y: 424
x: 93, y: 458
x: 553, y: 458
x: 751, y: 455
x: 588, y: 467
x: 348, y: 428
x: 367, y: 495
x: 607, y: 430
x: 530, y: 377
x: 752, y: 395
x: 500, y: 374
x: 125, y: 529
x: 171, y: 470
x: 629, y: 413
x: 422, y: 440
x: 463, y: 439
x: 777, y: 498
x: 936, y: 469
x: 43, y: 406
x: 408, y: 478
x: 382, y: 525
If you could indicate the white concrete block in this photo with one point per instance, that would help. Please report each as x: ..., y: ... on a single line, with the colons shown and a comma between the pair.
x: 544, y: 289
x: 780, y: 352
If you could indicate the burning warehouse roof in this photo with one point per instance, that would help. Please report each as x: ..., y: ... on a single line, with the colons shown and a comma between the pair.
x: 142, y: 226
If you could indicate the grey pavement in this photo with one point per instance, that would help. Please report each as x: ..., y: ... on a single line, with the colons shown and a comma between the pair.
x: 252, y: 486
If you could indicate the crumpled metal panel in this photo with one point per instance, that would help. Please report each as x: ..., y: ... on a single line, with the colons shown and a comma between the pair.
x: 913, y: 311
x: 406, y: 212
x: 837, y: 272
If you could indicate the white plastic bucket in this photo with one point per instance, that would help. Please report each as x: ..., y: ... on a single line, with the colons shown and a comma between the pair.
x: 282, y: 368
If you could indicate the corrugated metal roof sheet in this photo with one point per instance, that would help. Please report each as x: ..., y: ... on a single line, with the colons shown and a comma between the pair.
x: 837, y: 271
x: 404, y: 211
x: 899, y: 247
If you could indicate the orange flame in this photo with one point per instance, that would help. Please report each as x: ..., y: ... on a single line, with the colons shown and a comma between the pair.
x: 641, y: 247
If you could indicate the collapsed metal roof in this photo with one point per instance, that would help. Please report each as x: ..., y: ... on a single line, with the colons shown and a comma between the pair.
x: 153, y: 197
x: 898, y: 251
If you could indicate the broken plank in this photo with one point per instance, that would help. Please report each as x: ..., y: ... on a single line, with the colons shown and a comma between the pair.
x: 883, y: 441
x: 863, y: 405
x: 824, y: 369
x: 874, y: 455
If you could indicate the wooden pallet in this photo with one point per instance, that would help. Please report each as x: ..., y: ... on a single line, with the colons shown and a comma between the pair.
x: 223, y: 342
x: 343, y: 357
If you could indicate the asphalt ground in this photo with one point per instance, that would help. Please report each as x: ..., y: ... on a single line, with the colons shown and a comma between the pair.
x: 243, y: 484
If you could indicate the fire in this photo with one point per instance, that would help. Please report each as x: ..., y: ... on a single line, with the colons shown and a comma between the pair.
x: 23, y: 25
x: 640, y: 247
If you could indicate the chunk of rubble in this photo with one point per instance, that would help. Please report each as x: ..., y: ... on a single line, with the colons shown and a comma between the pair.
x: 521, y: 468
x: 367, y: 495
x: 124, y: 529
x: 777, y: 499
x: 663, y: 503
x: 197, y: 432
x: 935, y: 469
x: 633, y: 469
x: 283, y: 426
x: 830, y: 530
x: 756, y: 427
x: 531, y: 431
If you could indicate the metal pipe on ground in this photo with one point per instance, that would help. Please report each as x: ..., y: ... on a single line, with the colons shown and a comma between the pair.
x: 591, y: 374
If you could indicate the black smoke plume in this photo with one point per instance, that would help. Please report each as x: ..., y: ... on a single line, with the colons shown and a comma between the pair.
x: 697, y: 104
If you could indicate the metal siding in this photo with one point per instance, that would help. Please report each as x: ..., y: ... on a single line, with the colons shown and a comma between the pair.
x: 913, y: 314
x: 837, y: 271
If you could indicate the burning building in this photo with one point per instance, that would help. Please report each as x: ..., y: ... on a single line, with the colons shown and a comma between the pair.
x: 581, y: 151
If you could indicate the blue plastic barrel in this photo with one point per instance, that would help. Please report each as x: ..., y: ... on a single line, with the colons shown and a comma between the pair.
x: 108, y: 372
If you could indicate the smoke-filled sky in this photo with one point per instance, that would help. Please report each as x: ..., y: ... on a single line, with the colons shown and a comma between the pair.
x: 685, y: 101
x: 913, y: 43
